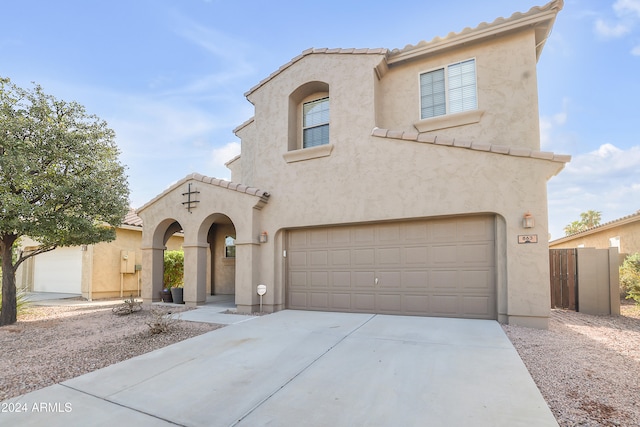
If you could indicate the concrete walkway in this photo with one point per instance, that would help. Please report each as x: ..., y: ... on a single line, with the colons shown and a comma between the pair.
x: 296, y: 368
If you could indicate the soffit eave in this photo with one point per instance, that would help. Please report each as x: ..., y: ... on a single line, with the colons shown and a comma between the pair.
x: 541, y: 19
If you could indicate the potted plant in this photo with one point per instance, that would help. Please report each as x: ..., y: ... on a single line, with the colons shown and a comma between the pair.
x: 177, y: 294
x: 174, y: 275
x: 165, y: 295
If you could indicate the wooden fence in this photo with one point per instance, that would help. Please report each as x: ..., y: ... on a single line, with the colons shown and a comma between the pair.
x: 564, y: 284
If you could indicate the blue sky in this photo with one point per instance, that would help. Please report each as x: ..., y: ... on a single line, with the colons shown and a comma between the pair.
x: 169, y: 77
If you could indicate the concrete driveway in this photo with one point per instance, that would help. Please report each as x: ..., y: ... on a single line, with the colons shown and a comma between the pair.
x: 297, y: 368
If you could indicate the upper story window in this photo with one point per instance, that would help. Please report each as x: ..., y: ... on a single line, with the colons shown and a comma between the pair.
x: 308, y: 119
x: 448, y: 90
x: 315, y: 123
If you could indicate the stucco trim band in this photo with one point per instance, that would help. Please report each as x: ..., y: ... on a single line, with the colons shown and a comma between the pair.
x: 308, y: 153
x: 477, y: 146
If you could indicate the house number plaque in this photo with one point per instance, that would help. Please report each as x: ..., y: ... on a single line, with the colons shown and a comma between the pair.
x: 528, y: 238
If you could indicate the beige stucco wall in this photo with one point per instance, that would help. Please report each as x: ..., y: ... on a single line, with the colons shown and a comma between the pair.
x: 102, y: 262
x: 101, y: 276
x: 629, y: 239
x: 506, y: 86
x: 101, y: 265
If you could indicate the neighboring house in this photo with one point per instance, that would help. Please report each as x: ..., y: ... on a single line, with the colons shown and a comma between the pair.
x: 622, y: 233
x: 103, y: 270
x: 380, y: 181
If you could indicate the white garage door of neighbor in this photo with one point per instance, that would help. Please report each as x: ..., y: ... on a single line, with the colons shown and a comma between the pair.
x: 58, y: 271
x: 443, y: 267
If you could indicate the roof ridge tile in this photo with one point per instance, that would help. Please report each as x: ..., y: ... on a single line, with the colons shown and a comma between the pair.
x: 552, y: 5
x: 229, y: 185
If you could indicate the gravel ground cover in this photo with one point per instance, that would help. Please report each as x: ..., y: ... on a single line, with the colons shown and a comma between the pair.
x: 51, y: 344
x: 586, y: 367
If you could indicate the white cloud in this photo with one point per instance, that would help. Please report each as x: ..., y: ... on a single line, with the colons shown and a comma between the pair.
x: 623, y: 7
x: 605, y: 180
x: 222, y: 155
x: 549, y: 125
x: 636, y: 51
x: 627, y: 13
x: 611, y: 31
x: 607, y: 161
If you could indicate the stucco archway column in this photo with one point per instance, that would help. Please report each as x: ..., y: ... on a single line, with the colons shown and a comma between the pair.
x: 195, y: 273
x: 247, y: 276
x: 152, y: 276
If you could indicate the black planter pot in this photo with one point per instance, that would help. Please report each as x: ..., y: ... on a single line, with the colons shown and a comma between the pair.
x: 165, y: 295
x: 178, y: 295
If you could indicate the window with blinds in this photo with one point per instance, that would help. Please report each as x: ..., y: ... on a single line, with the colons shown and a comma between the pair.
x: 448, y: 90
x: 315, y: 123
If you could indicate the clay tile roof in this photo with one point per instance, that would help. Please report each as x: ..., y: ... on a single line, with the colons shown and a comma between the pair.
x: 231, y: 186
x: 540, y: 17
x: 314, y: 51
x: 469, y: 145
x: 616, y: 222
x: 132, y: 219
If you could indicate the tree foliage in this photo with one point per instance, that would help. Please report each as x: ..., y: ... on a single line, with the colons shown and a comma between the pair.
x: 61, y: 182
x: 630, y: 276
x: 588, y: 219
x: 173, y: 269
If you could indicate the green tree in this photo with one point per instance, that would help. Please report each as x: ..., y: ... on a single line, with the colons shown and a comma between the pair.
x: 173, y: 269
x: 61, y: 182
x: 630, y: 276
x: 574, y: 227
x: 588, y: 219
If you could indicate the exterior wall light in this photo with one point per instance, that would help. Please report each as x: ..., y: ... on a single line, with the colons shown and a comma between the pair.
x: 263, y: 237
x: 528, y: 221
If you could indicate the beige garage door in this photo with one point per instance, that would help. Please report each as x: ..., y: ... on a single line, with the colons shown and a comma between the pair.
x: 443, y: 267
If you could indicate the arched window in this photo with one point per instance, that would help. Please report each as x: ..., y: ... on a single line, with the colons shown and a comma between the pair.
x: 309, y: 116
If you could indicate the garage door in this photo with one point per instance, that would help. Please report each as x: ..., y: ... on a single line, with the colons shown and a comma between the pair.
x: 58, y: 271
x: 443, y: 267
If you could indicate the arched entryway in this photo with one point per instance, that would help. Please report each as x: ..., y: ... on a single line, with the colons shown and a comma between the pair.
x: 221, y: 265
x: 166, y: 235
x: 220, y: 222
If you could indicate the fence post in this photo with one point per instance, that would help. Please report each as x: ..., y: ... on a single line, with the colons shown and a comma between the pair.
x: 614, y: 280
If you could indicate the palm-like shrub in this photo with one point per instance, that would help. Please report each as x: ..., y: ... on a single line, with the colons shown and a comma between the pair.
x: 630, y: 277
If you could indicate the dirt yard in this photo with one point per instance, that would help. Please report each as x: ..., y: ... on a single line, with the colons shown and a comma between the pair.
x: 49, y: 345
x: 586, y: 367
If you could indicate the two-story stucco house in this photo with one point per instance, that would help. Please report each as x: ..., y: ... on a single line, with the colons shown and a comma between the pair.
x: 380, y: 181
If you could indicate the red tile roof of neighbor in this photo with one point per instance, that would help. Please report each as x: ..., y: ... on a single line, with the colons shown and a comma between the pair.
x: 132, y: 219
